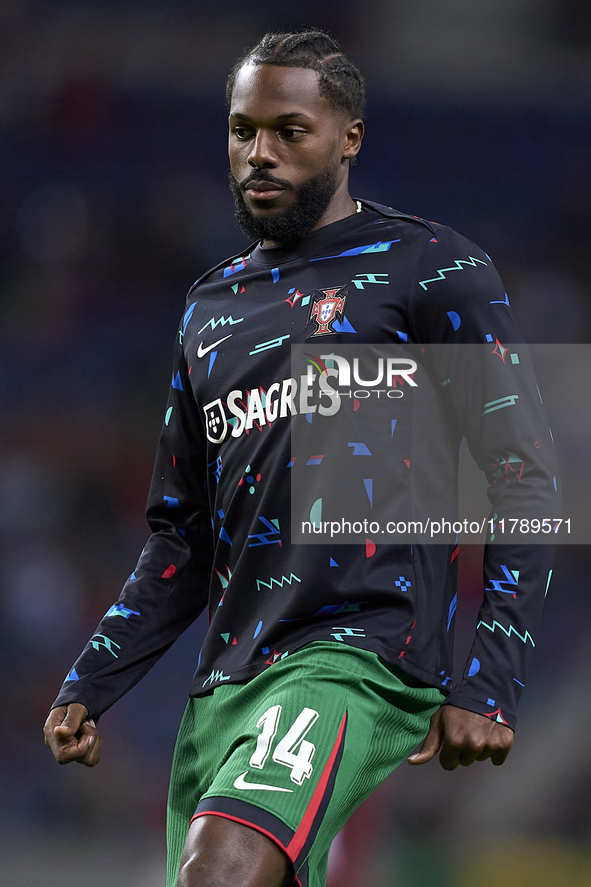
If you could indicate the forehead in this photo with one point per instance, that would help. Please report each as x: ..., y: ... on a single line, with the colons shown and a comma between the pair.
x: 271, y: 91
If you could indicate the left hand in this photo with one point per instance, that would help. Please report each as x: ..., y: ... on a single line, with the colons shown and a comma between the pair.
x: 462, y: 737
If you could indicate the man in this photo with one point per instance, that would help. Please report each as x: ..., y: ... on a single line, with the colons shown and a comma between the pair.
x: 322, y: 667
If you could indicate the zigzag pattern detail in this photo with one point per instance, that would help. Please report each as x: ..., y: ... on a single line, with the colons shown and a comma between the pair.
x: 457, y: 267
x: 508, y: 631
x: 213, y: 323
x: 216, y: 676
x: 280, y: 584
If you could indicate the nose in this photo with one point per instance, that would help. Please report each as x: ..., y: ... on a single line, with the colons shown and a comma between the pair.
x: 262, y: 154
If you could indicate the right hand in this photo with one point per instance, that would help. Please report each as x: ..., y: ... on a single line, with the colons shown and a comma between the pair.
x: 72, y: 735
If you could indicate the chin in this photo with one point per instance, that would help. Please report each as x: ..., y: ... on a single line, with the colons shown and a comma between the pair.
x: 264, y: 212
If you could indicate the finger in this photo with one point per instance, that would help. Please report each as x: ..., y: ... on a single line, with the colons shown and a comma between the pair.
x: 70, y: 735
x: 500, y: 756
x: 88, y: 726
x: 75, y: 715
x: 93, y: 754
x: 469, y: 754
x: 501, y: 744
x: 77, y: 749
x: 449, y: 757
x: 495, y: 751
x: 72, y: 751
x: 90, y: 744
x: 431, y: 743
x: 55, y: 717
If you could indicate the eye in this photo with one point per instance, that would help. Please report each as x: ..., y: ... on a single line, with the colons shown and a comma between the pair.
x: 241, y: 132
x: 291, y: 133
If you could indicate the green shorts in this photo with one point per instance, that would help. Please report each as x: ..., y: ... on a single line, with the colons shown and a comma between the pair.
x: 294, y: 751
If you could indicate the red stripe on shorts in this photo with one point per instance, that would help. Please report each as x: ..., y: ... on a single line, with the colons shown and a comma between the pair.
x: 299, y: 839
x: 253, y: 825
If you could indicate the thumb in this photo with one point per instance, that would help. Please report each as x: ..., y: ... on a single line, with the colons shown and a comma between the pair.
x: 431, y: 743
x: 75, y: 715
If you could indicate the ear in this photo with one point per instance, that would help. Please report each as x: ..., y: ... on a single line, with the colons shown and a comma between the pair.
x: 352, y: 138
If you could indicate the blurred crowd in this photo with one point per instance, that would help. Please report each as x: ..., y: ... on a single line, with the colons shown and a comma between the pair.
x: 113, y: 199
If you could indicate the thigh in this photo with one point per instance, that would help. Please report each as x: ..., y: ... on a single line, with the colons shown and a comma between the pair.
x: 294, y: 751
x: 388, y: 715
x: 219, y: 851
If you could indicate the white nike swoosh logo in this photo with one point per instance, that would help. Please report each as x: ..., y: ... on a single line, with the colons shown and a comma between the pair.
x: 240, y: 783
x: 201, y: 351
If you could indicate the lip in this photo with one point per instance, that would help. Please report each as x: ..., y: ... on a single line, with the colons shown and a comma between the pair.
x: 262, y: 190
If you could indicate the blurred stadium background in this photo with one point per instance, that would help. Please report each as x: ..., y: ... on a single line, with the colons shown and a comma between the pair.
x: 113, y: 199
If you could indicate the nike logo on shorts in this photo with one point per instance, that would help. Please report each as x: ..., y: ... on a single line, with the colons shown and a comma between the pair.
x: 241, y: 784
x: 201, y: 351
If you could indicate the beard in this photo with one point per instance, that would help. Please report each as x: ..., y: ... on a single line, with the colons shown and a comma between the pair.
x: 296, y: 221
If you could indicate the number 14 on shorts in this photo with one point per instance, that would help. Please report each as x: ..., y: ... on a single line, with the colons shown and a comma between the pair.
x: 294, y: 750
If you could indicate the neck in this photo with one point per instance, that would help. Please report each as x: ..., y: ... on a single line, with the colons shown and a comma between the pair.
x: 341, y: 206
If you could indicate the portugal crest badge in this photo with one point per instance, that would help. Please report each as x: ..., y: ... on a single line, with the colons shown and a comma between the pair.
x: 328, y: 306
x: 216, y: 425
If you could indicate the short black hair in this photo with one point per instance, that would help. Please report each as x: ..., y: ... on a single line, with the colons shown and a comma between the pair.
x: 340, y: 82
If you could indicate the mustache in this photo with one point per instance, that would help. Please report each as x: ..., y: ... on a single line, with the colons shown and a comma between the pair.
x: 262, y: 175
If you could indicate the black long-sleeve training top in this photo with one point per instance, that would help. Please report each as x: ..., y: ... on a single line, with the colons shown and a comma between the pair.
x: 220, y: 501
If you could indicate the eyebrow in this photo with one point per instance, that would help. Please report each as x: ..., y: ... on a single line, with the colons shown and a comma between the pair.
x: 281, y: 118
